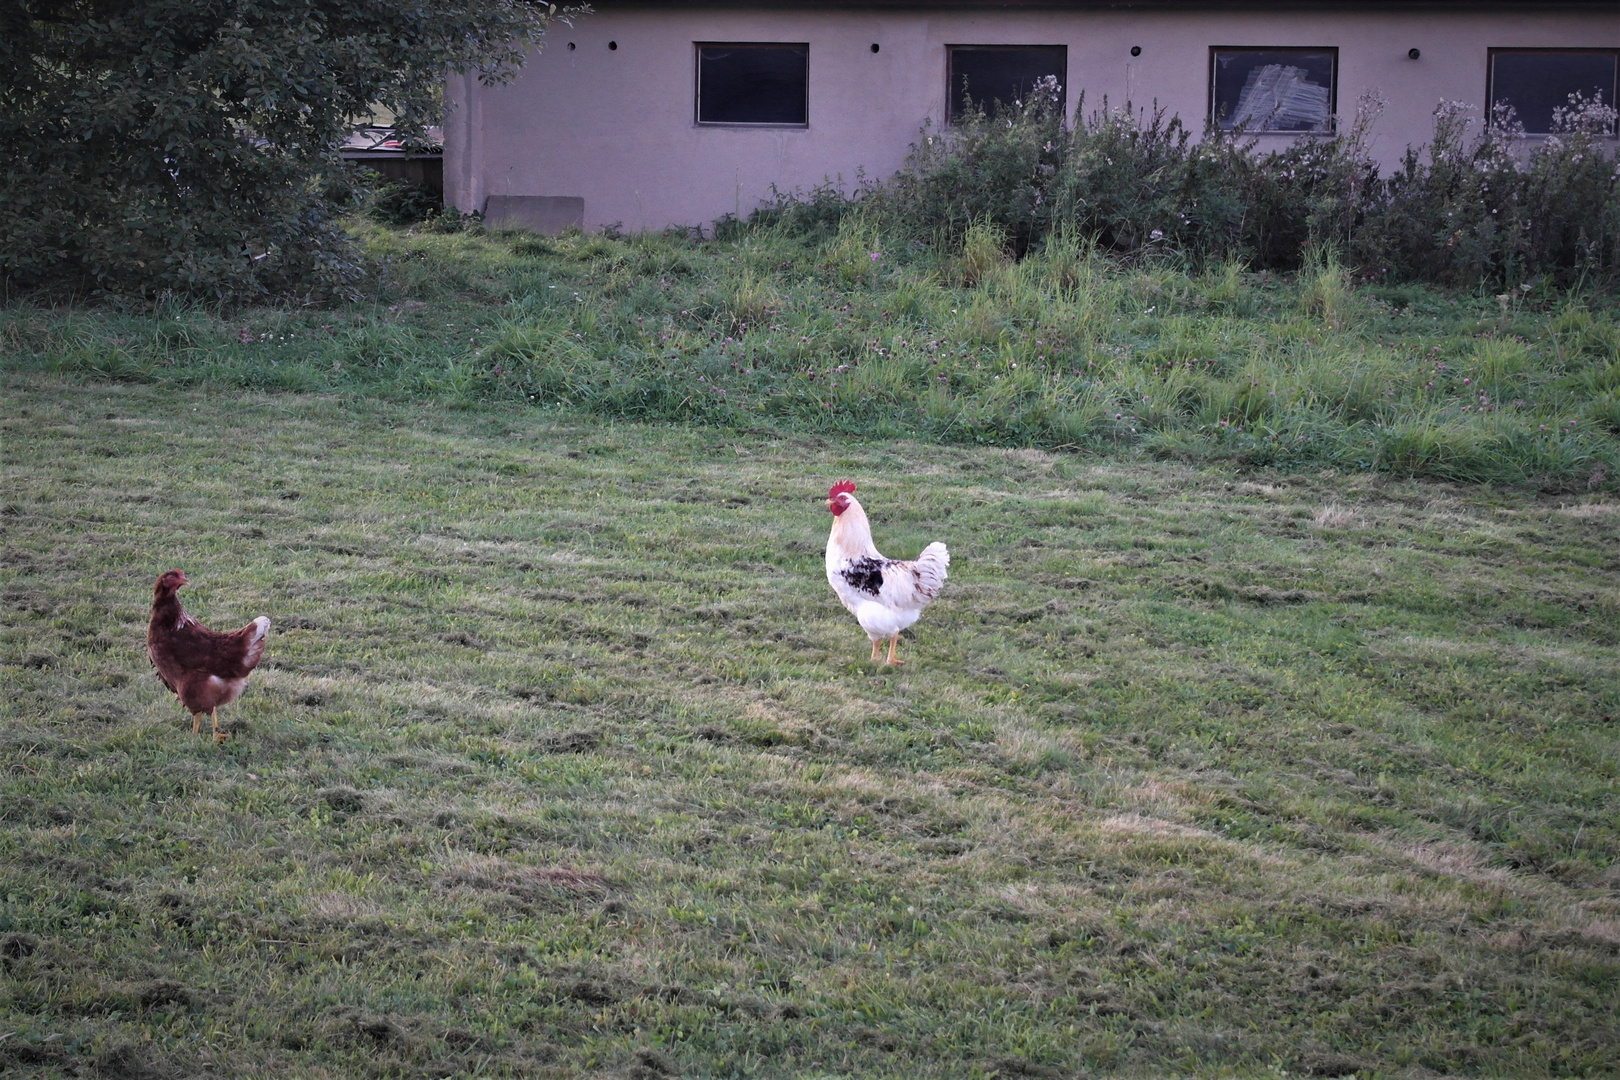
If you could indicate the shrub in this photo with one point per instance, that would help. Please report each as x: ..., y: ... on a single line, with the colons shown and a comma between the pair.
x: 991, y: 170
x: 403, y: 203
x: 1469, y: 209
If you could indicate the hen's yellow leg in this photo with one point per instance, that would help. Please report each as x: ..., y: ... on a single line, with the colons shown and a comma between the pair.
x: 196, y: 723
x: 874, y: 652
x: 894, y: 643
x: 219, y: 736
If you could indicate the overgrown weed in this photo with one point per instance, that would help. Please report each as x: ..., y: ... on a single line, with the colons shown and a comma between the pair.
x: 866, y: 332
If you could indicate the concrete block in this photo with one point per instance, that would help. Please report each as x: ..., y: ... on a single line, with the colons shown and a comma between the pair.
x: 546, y: 214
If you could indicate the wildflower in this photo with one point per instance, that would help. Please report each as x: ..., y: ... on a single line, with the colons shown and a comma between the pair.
x: 873, y: 256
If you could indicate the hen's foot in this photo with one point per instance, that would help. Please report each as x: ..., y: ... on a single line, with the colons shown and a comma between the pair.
x: 894, y: 643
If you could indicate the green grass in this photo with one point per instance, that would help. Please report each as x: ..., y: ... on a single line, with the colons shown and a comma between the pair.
x: 859, y: 333
x: 564, y: 761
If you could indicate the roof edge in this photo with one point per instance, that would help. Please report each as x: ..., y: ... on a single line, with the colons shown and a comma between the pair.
x: 1345, y: 6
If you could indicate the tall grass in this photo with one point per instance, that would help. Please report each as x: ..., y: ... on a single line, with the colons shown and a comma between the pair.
x: 858, y: 330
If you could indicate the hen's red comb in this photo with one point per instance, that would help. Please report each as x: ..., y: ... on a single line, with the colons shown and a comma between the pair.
x: 843, y: 487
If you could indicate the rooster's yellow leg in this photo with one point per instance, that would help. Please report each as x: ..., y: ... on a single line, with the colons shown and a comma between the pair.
x: 894, y: 643
x: 219, y: 736
x: 874, y: 652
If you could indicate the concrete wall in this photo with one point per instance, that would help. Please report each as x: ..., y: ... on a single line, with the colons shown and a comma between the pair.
x: 616, y: 126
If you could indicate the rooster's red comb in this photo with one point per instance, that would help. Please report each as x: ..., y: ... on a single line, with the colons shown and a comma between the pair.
x: 843, y: 487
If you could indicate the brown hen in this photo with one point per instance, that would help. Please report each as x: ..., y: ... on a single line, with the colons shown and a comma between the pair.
x: 205, y: 669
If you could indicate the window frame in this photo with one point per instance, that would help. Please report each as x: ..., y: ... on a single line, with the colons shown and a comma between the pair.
x: 1333, y: 87
x: 952, y: 116
x: 1490, y: 77
x: 697, y: 85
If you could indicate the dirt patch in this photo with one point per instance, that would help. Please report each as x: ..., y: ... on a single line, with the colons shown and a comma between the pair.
x: 570, y: 742
x: 528, y: 886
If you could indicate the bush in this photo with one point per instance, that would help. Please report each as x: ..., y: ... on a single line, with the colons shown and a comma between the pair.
x: 401, y: 203
x: 1469, y: 209
x: 1480, y: 210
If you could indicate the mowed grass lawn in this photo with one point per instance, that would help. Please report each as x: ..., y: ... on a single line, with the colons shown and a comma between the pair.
x: 564, y: 761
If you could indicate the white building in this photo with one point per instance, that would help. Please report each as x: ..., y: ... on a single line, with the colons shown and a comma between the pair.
x: 646, y: 115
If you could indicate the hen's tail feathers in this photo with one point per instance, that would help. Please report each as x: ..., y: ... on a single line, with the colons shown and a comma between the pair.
x: 258, y: 629
x: 931, y: 566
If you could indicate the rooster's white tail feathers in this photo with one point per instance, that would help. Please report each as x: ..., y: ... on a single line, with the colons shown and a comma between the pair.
x: 931, y: 569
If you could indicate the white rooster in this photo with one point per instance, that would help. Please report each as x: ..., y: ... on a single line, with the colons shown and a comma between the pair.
x: 886, y: 595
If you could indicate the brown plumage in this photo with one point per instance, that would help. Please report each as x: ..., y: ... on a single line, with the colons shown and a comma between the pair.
x: 205, y: 669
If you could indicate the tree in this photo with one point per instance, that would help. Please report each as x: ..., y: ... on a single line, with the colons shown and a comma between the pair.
x: 191, y: 145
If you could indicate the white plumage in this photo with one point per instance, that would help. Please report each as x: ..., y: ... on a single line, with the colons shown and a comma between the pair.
x: 885, y: 595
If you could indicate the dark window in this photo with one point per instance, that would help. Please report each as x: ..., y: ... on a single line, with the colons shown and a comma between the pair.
x: 743, y: 83
x: 1537, y: 82
x: 987, y: 74
x: 1273, y: 89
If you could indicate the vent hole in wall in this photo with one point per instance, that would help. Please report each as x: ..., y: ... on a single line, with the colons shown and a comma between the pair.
x: 613, y: 45
x: 572, y: 46
x: 874, y: 46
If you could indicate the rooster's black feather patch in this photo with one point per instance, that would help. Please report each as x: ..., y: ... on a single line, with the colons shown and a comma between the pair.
x: 865, y: 575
